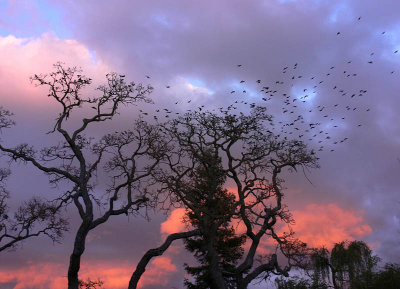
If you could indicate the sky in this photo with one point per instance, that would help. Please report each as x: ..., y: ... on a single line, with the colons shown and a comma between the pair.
x: 342, y: 54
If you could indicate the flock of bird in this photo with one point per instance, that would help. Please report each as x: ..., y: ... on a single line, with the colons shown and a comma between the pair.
x: 312, y: 108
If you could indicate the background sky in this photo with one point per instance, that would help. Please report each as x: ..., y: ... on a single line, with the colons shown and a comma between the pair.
x: 342, y: 54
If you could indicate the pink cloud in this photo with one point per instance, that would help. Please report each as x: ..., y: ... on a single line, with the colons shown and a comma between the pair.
x: 115, y: 275
x: 174, y: 223
x: 321, y: 225
x: 324, y: 225
x: 20, y: 58
x: 36, y: 275
x: 159, y: 272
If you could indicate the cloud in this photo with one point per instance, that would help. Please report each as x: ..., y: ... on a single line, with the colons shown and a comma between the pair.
x: 20, y: 58
x: 36, y: 275
x: 115, y: 275
x: 174, y: 223
x: 356, y: 190
x: 159, y: 272
x: 325, y: 224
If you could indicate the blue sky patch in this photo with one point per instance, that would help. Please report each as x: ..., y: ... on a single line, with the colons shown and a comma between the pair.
x: 31, y: 19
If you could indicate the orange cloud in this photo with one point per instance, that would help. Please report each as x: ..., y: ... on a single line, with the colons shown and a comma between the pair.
x: 115, y: 275
x: 323, y: 225
x: 164, y: 263
x: 158, y: 273
x: 174, y: 222
x: 38, y: 275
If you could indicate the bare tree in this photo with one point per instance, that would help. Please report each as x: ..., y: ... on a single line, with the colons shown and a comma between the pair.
x: 124, y: 159
x: 90, y: 284
x: 33, y: 218
x: 252, y: 160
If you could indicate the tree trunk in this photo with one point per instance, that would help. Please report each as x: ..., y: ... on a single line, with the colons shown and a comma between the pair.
x: 217, y: 279
x: 334, y: 281
x: 75, y: 259
x: 141, y: 267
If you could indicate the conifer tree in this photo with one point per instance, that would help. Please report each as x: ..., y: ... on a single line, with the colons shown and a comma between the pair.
x: 212, y: 217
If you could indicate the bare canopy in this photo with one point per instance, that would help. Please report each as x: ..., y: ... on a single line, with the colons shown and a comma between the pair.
x: 124, y: 159
x: 251, y: 159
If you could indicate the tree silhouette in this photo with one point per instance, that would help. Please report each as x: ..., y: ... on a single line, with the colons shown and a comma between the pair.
x: 212, y: 216
x: 251, y: 160
x: 90, y: 284
x: 388, y: 278
x: 299, y: 283
x: 33, y: 217
x: 347, y: 264
x: 124, y: 159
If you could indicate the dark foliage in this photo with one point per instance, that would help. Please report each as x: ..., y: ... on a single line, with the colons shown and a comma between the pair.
x: 213, y: 219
